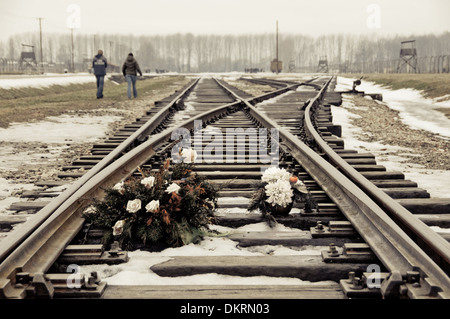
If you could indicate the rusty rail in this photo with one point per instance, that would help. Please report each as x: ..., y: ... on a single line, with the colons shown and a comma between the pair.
x: 35, y: 249
x: 368, y: 209
x: 399, y: 253
x: 393, y: 247
x: 32, y: 249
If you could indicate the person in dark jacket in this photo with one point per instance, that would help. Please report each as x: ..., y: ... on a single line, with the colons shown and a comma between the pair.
x: 99, y: 64
x: 130, y: 69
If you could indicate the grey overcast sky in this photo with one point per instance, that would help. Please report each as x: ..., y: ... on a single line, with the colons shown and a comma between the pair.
x: 313, y: 17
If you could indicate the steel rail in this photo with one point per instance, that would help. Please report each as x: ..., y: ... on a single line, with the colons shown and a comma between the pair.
x: 17, y: 237
x: 40, y: 250
x: 393, y: 246
x: 350, y: 198
x: 395, y: 249
x: 35, y: 254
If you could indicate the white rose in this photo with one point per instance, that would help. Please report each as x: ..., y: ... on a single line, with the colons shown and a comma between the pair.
x: 133, y: 205
x: 279, y: 192
x: 189, y: 155
x: 273, y: 174
x: 90, y: 210
x: 119, y: 187
x: 173, y: 188
x: 153, y: 206
x: 118, y: 228
x: 148, y: 181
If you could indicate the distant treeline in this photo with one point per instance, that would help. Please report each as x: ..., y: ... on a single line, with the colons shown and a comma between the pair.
x: 224, y: 53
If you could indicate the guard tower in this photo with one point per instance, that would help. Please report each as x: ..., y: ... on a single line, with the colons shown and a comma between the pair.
x: 408, y: 57
x: 292, y: 66
x: 28, y: 59
x: 323, y: 65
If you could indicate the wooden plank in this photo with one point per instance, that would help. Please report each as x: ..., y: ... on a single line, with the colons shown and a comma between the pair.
x: 300, y: 221
x: 330, y: 291
x: 383, y: 175
x: 426, y: 205
x: 441, y: 220
x: 9, y: 220
x: 39, y: 194
x: 310, y: 268
x: 408, y: 192
x: 28, y: 205
x: 394, y: 183
x: 52, y: 183
x: 287, y: 239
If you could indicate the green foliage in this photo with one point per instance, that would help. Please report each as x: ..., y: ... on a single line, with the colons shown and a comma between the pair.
x: 181, y: 217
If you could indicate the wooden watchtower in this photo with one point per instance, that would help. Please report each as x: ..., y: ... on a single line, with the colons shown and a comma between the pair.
x: 408, y: 57
x: 323, y: 65
x: 27, y: 59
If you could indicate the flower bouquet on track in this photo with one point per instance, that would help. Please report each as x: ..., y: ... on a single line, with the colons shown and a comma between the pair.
x: 169, y: 208
x: 277, y: 193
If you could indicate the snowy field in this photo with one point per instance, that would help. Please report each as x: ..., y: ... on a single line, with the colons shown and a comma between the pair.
x: 415, y: 110
x: 53, y: 136
x: 42, y: 81
x: 62, y: 130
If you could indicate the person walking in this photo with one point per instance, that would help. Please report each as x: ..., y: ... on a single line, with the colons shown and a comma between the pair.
x: 130, y: 69
x: 99, y: 64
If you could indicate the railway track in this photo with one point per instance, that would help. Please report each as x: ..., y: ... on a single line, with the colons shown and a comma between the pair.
x: 367, y: 243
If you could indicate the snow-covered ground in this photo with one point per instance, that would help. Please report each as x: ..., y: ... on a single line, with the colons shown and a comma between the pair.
x: 42, y: 81
x: 415, y: 110
x: 51, y: 137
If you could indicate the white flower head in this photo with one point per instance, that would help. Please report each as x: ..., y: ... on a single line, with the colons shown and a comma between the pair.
x: 273, y: 174
x: 279, y: 193
x: 119, y: 187
x: 118, y: 228
x: 173, y: 188
x: 148, y: 181
x: 153, y: 206
x: 134, y: 205
x: 90, y: 210
x: 189, y: 155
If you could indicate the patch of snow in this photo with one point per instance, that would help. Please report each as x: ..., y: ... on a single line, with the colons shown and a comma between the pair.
x: 7, y: 192
x: 415, y: 110
x: 59, y: 129
x: 52, y: 137
x: 42, y: 81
